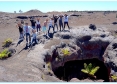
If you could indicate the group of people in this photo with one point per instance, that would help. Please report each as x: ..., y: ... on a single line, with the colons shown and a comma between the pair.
x: 31, y: 31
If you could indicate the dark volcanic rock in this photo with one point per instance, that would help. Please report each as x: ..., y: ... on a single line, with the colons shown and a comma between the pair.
x: 45, y: 15
x: 114, y: 23
x: 12, y: 51
x: 58, y: 58
x: 89, y: 12
x: 110, y: 56
x: 92, y: 26
x: 91, y: 43
x: 87, y: 43
x: 22, y: 17
x: 63, y: 35
x: 75, y: 15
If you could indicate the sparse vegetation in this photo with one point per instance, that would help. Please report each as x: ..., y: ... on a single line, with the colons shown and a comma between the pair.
x: 49, y: 65
x: 49, y: 69
x: 114, y: 77
x: 66, y: 51
x: 7, y: 42
x: 5, y: 53
x: 90, y: 69
x: 42, y: 76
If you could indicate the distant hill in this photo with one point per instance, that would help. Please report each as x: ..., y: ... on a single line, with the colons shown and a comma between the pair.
x: 34, y: 11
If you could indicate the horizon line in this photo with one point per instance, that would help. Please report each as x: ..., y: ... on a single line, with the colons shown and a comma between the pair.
x: 65, y: 11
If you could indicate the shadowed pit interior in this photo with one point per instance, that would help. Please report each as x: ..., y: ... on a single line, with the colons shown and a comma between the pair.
x: 72, y: 69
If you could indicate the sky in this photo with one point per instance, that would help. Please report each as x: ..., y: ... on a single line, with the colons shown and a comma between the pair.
x: 47, y: 6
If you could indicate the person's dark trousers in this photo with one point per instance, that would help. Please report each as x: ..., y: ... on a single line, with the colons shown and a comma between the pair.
x: 55, y: 24
x: 49, y: 28
x: 38, y: 28
x: 21, y: 40
x: 33, y: 27
x: 21, y: 35
x: 67, y: 25
x: 61, y: 25
x: 28, y: 37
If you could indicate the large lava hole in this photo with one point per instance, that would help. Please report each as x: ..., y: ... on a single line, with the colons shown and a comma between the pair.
x: 72, y: 69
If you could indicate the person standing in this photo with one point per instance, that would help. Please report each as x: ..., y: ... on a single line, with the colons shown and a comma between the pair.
x: 38, y: 26
x: 44, y: 28
x: 61, y: 22
x: 55, y: 21
x: 20, y: 27
x: 33, y: 23
x: 51, y: 25
x: 27, y: 32
x: 66, y: 19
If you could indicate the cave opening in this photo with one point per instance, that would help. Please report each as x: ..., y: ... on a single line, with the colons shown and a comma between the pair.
x: 72, y: 69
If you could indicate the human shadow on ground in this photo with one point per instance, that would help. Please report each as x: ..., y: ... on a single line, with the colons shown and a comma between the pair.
x: 21, y: 40
x: 30, y: 47
x: 25, y: 48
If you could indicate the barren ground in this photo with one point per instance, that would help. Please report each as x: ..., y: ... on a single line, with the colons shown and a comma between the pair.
x: 16, y: 63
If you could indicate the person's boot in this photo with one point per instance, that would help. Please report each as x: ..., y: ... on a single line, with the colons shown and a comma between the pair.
x: 63, y: 29
x: 37, y: 42
x: 29, y: 44
x: 60, y: 29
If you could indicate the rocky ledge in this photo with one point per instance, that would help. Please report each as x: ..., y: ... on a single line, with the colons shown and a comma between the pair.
x: 85, y: 43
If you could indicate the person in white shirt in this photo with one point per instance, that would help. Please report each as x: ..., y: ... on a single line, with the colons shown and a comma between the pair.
x: 27, y: 32
x: 51, y: 24
x: 38, y: 26
x: 66, y: 19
